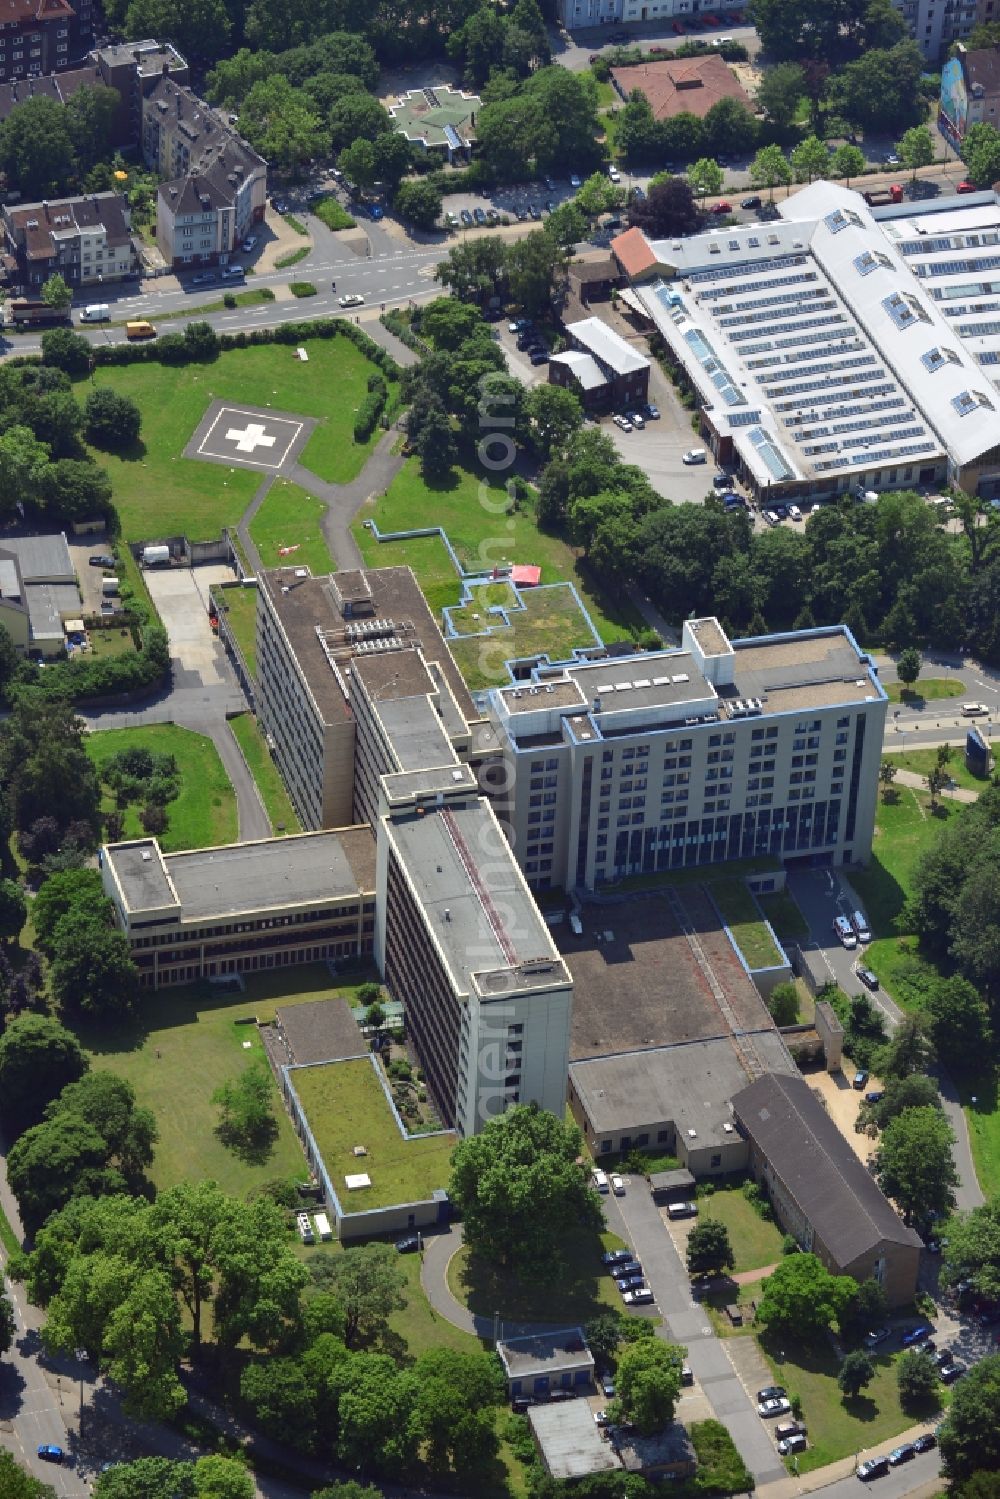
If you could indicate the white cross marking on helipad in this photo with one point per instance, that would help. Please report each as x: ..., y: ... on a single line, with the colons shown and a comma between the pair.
x: 252, y: 437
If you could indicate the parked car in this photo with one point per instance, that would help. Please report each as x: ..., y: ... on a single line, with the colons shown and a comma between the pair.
x: 951, y: 1372
x: 890, y: 159
x: 753, y: 201
x: 920, y: 1334
x: 794, y: 513
x: 641, y: 1297
x: 867, y: 977
x: 539, y: 356
x: 203, y: 278
x: 601, y: 1417
x: 479, y: 214
x: 694, y: 455
x: 466, y: 217
x: 966, y: 187
x: 622, y: 422
x: 50, y: 1453
x: 575, y: 181
x: 944, y: 1357
x: 770, y: 1392
x: 687, y: 1375
x: 788, y: 1445
x: 250, y: 244
x: 926, y: 1442
x: 859, y: 1080
x: 876, y: 1095
x: 520, y: 1404
x: 408, y: 1243
x: 375, y: 211
x: 617, y: 1185
x: 625, y: 1268
x: 873, y: 1467
x: 101, y: 559
x: 636, y: 420
x: 720, y: 480
x: 777, y: 1405
x: 876, y: 1336
x: 519, y: 325
x: 616, y: 1257
x: 614, y: 174
x: 607, y: 1387
x: 722, y: 207
x: 631, y: 1283
x: 652, y: 412
x: 769, y: 518
x: 352, y: 299
x: 903, y: 1454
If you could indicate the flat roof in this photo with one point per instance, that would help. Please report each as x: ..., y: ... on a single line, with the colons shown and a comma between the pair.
x: 416, y: 734
x: 570, y: 1440
x: 690, y: 1085
x: 42, y: 558
x: 303, y: 603
x: 824, y: 1175
x: 243, y: 878
x: 544, y: 1353
x: 438, y: 116
x: 662, y: 993
x: 323, y: 1030
x: 48, y: 603
x: 438, y: 850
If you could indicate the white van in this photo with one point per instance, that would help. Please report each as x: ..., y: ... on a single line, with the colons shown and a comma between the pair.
x: 974, y: 710
x: 861, y: 926
x: 97, y: 312
x: 576, y: 925
x: 599, y: 1180
x: 845, y: 932
x: 305, y: 1228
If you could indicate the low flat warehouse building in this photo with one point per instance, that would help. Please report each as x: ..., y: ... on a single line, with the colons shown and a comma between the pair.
x: 244, y: 907
x: 840, y: 348
x: 720, y: 750
x: 820, y: 1189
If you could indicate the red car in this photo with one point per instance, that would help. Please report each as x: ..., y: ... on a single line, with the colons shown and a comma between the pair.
x: 966, y: 187
x: 723, y: 207
x: 679, y: 28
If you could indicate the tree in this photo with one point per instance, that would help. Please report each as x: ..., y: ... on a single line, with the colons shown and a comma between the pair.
x: 729, y: 128
x: 283, y: 123
x: 16, y: 1483
x: 810, y: 159
x: 93, y: 973
x: 281, y: 1401
x: 357, y: 162
x: 972, y: 1252
x: 868, y: 1307
x: 599, y: 194
x: 709, y: 1249
x: 937, y: 779
x: 23, y: 462
x: 49, y: 1162
x: 648, y: 1383
x: 90, y: 116
x: 56, y: 292
x: 199, y: 28
x: 536, y: 271
x: 916, y: 1168
x: 770, y: 169
x: 847, y: 161
x: 145, y: 1478
x: 916, y: 149
x: 856, y: 1371
x: 554, y: 416
x: 435, y: 445
x: 246, y: 1113
x: 369, y: 1285
x: 908, y: 665
x: 218, y: 1477
x: 8, y: 1325
x: 667, y: 209
x: 908, y: 1049
x: 65, y: 350
x: 779, y: 92
x: 111, y: 421
x: 376, y: 1413
x: 38, y: 1057
x: 881, y: 89
x: 914, y: 1091
x: 521, y: 1190
x: 705, y: 177
x: 60, y: 893
x: 887, y: 773
x: 13, y: 909
x: 981, y: 154
x: 917, y: 1378
x: 419, y: 202
x: 108, y: 1103
x: 783, y: 1003
x: 36, y: 152
x: 801, y: 1298
x: 970, y: 1437
x: 73, y: 490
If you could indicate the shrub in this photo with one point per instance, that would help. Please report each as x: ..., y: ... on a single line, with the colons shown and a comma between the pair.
x: 302, y: 288
x: 789, y: 1244
x: 110, y: 420
x: 229, y: 300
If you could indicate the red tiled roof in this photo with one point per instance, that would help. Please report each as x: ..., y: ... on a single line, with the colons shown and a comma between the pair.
x: 690, y: 85
x: 632, y: 252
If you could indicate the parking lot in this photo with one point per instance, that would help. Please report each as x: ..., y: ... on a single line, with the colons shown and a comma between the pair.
x: 81, y: 549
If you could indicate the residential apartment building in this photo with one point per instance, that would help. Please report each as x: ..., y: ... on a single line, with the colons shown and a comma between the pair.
x: 216, y: 184
x: 936, y: 24
x: 577, y: 15
x: 86, y: 240
x: 243, y: 908
x: 719, y: 750
x: 601, y: 366
x: 970, y: 92
x: 820, y: 1189
x: 130, y: 68
x: 43, y: 36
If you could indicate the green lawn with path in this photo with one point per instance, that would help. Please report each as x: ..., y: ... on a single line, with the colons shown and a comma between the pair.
x: 204, y: 813
x: 922, y: 761
x: 582, y: 1290
x: 739, y: 912
x: 114, y: 641
x: 484, y: 532
x: 277, y: 802
x: 345, y: 1106
x: 290, y: 517
x: 185, y: 1042
x: 926, y: 689
x: 756, y: 1241
x: 240, y: 607
x: 837, y: 1428
x: 159, y: 493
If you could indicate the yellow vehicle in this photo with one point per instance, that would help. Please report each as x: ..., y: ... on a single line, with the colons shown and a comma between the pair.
x: 140, y: 329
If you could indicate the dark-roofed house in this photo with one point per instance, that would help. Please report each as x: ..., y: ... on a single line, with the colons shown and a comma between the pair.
x: 87, y: 240
x: 820, y: 1189
x: 663, y: 1454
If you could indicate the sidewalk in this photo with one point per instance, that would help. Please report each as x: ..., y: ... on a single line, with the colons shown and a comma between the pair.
x: 919, y: 783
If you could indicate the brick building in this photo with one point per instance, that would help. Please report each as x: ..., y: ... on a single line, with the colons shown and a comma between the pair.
x: 601, y: 367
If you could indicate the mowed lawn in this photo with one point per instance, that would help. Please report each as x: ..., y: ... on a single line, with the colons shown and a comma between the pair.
x: 290, y: 517
x: 160, y: 493
x: 182, y: 1044
x: 930, y: 689
x: 739, y: 912
x: 551, y: 622
x: 240, y: 606
x: 346, y: 1107
x: 473, y: 512
x: 756, y: 1241
x: 277, y: 802
x: 837, y: 1428
x: 204, y: 812
x: 922, y: 761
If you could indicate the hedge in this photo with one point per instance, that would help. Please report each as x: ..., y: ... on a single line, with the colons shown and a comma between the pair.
x: 83, y: 677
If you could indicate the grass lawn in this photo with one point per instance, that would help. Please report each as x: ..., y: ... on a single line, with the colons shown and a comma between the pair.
x: 428, y: 558
x: 482, y: 535
x: 288, y: 517
x: 204, y: 813
x: 782, y: 911
x: 550, y: 622
x: 292, y: 257
x: 251, y: 298
x: 331, y: 213
x: 836, y: 1428
x: 240, y: 606
x: 922, y: 761
x: 925, y: 689
x: 740, y: 914
x: 8, y: 1238
x: 582, y: 1290
x: 345, y: 1106
x: 116, y: 641
x: 159, y: 493
x: 276, y: 800
x: 755, y: 1241
x: 736, y: 868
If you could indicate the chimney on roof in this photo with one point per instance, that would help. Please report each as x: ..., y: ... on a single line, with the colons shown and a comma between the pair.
x: 164, y: 68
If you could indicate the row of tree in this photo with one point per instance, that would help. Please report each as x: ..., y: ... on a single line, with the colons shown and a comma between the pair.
x: 955, y: 904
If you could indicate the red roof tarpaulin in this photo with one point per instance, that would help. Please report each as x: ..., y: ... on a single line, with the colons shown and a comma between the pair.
x: 526, y: 577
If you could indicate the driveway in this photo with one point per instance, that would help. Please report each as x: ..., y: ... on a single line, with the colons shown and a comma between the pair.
x: 197, y: 656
